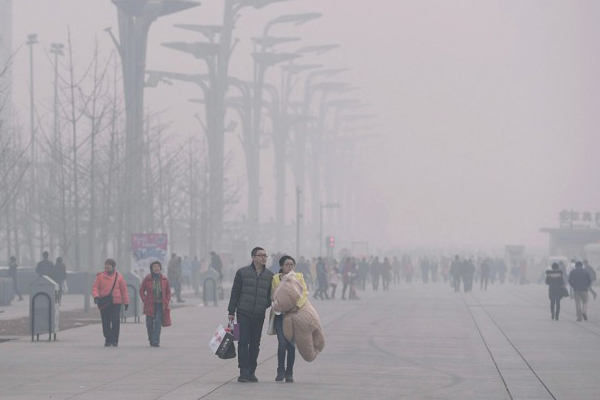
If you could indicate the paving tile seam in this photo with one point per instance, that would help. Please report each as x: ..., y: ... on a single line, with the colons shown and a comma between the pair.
x: 585, y: 325
x: 494, y: 359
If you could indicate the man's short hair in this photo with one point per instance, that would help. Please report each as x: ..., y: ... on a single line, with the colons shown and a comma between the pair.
x: 110, y: 261
x: 45, y: 254
x: 255, y: 250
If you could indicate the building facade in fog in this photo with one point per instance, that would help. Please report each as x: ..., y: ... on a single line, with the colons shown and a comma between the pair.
x: 5, y: 53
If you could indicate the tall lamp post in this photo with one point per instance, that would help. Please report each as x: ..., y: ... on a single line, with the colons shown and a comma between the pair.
x: 57, y: 50
x: 262, y: 61
x: 215, y: 89
x: 135, y: 18
x: 31, y: 41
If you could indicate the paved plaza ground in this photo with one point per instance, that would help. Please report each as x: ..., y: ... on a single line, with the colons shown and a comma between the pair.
x: 416, y: 341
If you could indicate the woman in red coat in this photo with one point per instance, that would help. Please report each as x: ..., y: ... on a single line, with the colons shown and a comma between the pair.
x: 155, y: 292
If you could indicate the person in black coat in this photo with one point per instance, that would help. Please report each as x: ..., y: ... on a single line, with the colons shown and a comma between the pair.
x: 556, y: 289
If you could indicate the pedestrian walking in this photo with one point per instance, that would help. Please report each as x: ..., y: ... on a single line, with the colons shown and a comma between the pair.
x: 110, y: 283
x: 59, y: 273
x: 155, y: 292
x: 175, y: 276
x: 286, y: 370
x: 456, y: 272
x: 45, y: 266
x: 580, y: 281
x: 334, y: 280
x: 322, y: 284
x: 12, y: 273
x: 556, y: 289
x: 590, y: 270
x: 250, y: 297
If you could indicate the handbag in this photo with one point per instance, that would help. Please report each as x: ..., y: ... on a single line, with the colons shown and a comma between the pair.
x: 564, y: 291
x: 221, y: 343
x: 106, y: 301
x: 166, y: 317
x: 271, y: 329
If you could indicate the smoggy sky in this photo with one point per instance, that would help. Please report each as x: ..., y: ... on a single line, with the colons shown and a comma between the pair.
x: 486, y: 120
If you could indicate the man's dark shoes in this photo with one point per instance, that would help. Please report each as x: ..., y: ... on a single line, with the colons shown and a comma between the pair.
x: 115, y: 344
x: 243, y: 378
x: 584, y: 316
x: 107, y: 344
x: 280, y: 375
x: 252, y: 378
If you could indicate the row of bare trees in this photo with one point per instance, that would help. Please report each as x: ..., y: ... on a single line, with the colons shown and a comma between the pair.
x: 68, y: 200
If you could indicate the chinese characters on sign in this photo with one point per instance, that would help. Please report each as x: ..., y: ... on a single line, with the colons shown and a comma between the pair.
x: 575, y: 219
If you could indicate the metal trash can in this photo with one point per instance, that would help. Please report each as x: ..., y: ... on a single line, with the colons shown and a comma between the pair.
x: 135, y: 305
x: 7, y: 292
x: 44, y: 307
x: 210, y: 286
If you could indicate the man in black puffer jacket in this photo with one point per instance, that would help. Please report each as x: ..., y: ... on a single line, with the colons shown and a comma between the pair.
x: 250, y: 298
x: 580, y: 281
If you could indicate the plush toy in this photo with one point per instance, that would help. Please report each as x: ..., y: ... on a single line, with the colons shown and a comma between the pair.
x: 300, y: 325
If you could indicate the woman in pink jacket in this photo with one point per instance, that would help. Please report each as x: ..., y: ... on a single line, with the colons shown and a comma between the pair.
x: 155, y: 292
x: 110, y: 282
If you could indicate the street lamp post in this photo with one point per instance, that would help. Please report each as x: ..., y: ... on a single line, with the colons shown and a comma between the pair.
x: 57, y: 50
x: 135, y: 18
x: 32, y: 40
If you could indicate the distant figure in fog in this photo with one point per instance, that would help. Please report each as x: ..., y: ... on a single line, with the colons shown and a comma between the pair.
x: 456, y: 272
x: 590, y: 270
x: 407, y: 268
x: 216, y: 264
x: 484, y: 273
x: 580, y: 281
x: 12, y: 273
x: 334, y: 280
x: 396, y: 270
x: 322, y: 284
x: 155, y: 293
x: 45, y: 266
x: 386, y: 273
x: 375, y: 273
x: 175, y: 276
x: 468, y: 274
x: 556, y: 282
x: 59, y: 273
x: 424, y: 265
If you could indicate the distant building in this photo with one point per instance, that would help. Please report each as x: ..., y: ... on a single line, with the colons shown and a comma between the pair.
x: 571, y: 242
x: 5, y: 54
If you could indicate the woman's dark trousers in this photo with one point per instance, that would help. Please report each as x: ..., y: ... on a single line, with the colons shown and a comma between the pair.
x: 284, y: 346
x: 555, y: 307
x: 154, y: 324
x: 111, y: 322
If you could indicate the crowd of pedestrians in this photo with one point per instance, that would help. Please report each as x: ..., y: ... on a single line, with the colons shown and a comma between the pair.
x: 324, y: 277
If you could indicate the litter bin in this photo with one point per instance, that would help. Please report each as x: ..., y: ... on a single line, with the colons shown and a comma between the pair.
x: 133, y: 288
x: 210, y: 286
x: 44, y: 307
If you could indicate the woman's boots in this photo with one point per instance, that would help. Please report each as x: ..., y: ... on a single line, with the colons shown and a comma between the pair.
x: 282, y: 374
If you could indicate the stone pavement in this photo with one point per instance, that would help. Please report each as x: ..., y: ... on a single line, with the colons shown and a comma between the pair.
x: 417, y: 341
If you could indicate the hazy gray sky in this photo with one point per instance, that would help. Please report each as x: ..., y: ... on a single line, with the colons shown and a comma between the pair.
x: 487, y: 109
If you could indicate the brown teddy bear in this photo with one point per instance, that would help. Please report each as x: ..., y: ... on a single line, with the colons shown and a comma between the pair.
x: 300, y: 325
